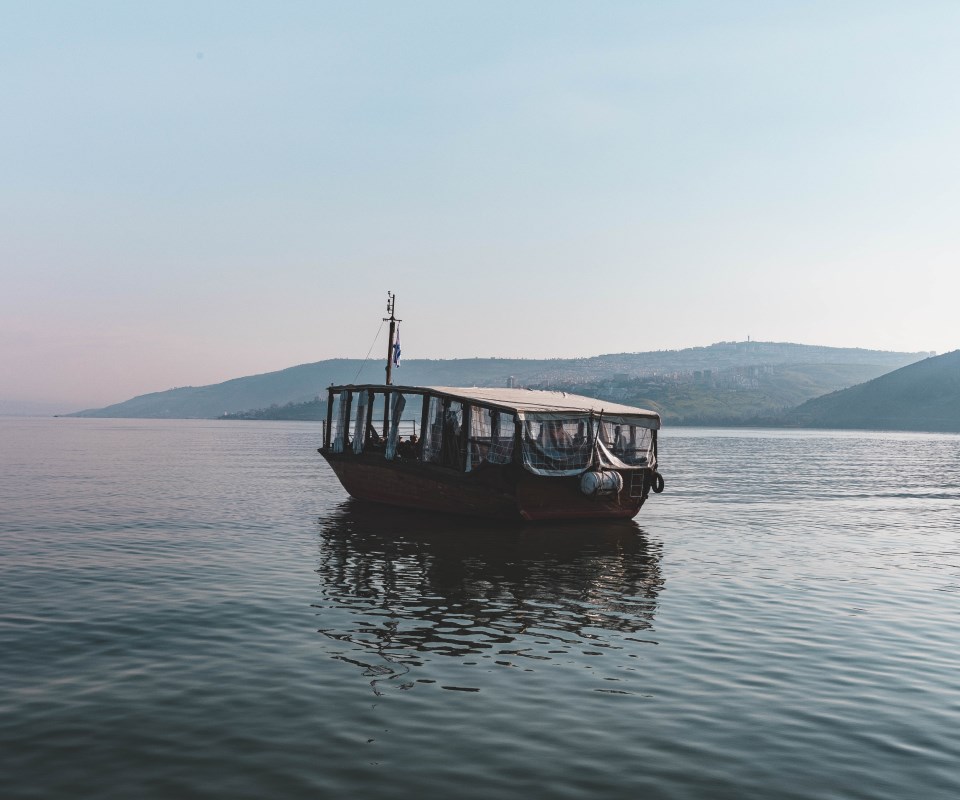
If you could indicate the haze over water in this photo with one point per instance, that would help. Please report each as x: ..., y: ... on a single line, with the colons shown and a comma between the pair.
x: 194, y: 609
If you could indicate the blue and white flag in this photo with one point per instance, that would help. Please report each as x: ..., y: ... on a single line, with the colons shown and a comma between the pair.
x: 396, y: 349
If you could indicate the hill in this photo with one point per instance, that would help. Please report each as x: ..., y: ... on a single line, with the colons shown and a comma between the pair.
x: 309, y: 411
x: 303, y: 383
x: 924, y: 396
x: 734, y: 396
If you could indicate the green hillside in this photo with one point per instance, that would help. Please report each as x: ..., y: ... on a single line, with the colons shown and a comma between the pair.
x: 728, y: 397
x: 310, y: 411
x: 924, y: 396
x: 304, y: 383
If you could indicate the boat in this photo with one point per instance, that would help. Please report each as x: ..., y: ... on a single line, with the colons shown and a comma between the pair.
x: 505, y: 453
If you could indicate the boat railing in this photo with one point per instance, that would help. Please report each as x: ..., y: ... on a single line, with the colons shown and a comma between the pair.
x: 406, y: 428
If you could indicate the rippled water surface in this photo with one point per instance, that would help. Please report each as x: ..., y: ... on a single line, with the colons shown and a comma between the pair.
x: 195, y: 609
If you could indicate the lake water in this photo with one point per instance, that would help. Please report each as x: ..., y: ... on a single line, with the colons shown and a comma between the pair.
x: 195, y: 609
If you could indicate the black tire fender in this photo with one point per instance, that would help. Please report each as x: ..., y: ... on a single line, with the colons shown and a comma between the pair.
x: 656, y: 482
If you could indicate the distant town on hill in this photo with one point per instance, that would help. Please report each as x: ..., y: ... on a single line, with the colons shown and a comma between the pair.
x: 727, y: 383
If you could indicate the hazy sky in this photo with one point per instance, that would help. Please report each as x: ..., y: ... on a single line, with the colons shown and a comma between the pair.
x: 191, y: 192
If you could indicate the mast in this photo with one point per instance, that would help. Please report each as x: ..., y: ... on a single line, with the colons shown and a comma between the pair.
x: 391, y: 303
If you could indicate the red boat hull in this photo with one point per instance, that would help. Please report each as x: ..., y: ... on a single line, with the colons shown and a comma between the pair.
x: 508, y: 492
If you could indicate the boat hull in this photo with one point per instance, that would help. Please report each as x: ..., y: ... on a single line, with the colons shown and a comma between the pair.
x: 502, y: 492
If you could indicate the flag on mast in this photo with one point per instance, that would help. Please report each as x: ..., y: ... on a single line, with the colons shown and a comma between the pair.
x: 396, y: 349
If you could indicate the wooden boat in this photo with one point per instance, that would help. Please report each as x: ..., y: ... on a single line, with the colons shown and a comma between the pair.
x: 505, y: 453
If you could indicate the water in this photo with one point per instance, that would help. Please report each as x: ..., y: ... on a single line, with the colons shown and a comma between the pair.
x: 194, y: 609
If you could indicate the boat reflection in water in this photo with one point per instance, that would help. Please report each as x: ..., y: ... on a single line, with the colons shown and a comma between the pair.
x: 400, y: 589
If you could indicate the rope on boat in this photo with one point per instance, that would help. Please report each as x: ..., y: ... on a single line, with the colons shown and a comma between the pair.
x: 363, y: 363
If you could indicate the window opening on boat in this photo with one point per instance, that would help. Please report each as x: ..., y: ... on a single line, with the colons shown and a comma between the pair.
x: 373, y: 440
x: 626, y: 444
x: 443, y: 435
x: 451, y: 444
x: 490, y: 437
x: 557, y: 445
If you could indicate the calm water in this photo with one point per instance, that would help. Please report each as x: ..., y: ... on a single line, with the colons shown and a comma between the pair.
x: 194, y: 609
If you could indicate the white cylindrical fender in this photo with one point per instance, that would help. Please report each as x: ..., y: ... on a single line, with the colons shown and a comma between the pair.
x: 594, y: 483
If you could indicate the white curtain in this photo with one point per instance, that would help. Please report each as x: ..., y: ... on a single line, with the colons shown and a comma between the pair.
x: 360, y: 423
x: 397, y: 402
x: 341, y: 421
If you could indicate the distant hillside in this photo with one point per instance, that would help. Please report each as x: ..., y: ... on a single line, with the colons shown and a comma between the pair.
x: 736, y: 396
x: 924, y: 396
x: 310, y: 411
x: 304, y: 383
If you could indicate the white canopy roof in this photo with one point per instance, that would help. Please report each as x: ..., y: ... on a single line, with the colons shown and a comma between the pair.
x: 527, y: 401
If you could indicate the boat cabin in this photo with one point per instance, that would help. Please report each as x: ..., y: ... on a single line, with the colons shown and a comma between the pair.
x: 468, y: 429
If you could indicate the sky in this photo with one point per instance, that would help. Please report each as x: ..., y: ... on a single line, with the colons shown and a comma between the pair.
x: 193, y: 192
